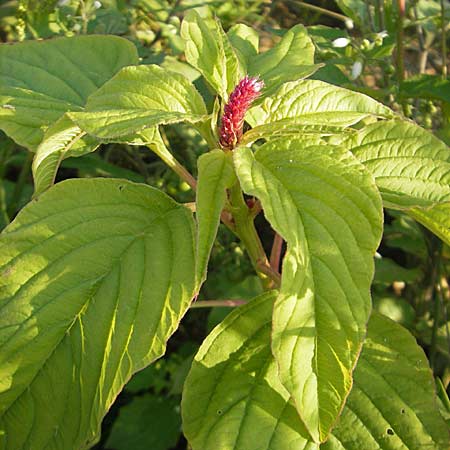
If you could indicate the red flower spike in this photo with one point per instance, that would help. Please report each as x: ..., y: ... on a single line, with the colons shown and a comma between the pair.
x: 232, y: 123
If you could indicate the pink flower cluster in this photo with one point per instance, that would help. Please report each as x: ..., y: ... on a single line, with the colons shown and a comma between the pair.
x: 232, y: 123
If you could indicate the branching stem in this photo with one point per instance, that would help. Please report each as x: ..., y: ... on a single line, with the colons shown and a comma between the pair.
x: 214, y: 303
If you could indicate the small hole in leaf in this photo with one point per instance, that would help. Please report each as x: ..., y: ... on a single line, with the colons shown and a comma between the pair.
x: 219, y: 412
x: 402, y: 411
x: 390, y: 432
x: 120, y: 188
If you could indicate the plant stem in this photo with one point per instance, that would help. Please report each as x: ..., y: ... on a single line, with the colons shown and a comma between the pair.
x: 321, y: 10
x: 21, y: 181
x: 400, y: 48
x: 174, y: 164
x: 443, y: 41
x: 436, y: 254
x: 245, y: 229
x: 215, y: 303
x: 275, y: 254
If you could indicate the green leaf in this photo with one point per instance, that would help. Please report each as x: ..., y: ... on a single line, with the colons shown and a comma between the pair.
x: 314, y: 102
x: 245, y: 41
x: 290, y: 128
x: 426, y: 86
x: 208, y: 49
x: 325, y: 205
x: 215, y: 175
x: 138, y: 98
x: 356, y: 10
x: 411, y: 167
x: 62, y: 139
x: 95, y: 277
x: 148, y: 422
x: 232, y: 397
x: 436, y: 219
x: 393, y: 401
x: 292, y: 58
x: 40, y: 81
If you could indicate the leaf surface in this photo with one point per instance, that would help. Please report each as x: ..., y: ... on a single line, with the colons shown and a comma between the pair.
x: 325, y: 205
x: 245, y: 41
x: 208, y: 49
x: 138, y: 98
x: 411, y: 167
x: 62, y: 139
x: 41, y: 80
x: 315, y: 102
x: 95, y: 277
x: 232, y: 397
x: 290, y: 59
x: 392, y: 405
x: 215, y: 175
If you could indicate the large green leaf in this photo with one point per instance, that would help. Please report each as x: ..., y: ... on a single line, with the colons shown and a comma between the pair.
x: 393, y: 401
x: 215, y: 175
x: 436, y: 219
x: 208, y: 49
x: 411, y: 167
x: 62, y: 139
x: 290, y: 128
x: 314, y: 102
x: 232, y: 397
x: 40, y: 81
x: 292, y: 58
x: 233, y: 400
x: 95, y: 277
x: 138, y: 98
x: 323, y: 202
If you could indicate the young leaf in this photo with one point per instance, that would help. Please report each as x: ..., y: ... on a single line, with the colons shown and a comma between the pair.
x: 393, y: 401
x: 316, y: 103
x: 41, y: 80
x: 62, y: 139
x: 292, y: 58
x: 232, y: 397
x: 138, y: 98
x: 95, y: 277
x: 215, y: 175
x: 411, y: 167
x: 208, y: 49
x: 323, y: 202
x: 245, y: 41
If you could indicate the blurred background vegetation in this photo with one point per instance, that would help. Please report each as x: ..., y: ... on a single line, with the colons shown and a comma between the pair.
x: 395, y: 51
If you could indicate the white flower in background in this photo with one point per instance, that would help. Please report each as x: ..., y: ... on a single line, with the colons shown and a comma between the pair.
x: 97, y: 4
x: 341, y: 42
x: 349, y: 24
x: 356, y: 69
x: 383, y: 34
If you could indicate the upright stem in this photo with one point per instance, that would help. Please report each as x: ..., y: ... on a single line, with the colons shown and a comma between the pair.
x: 245, y: 229
x: 436, y: 248
x: 443, y: 41
x: 400, y: 37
